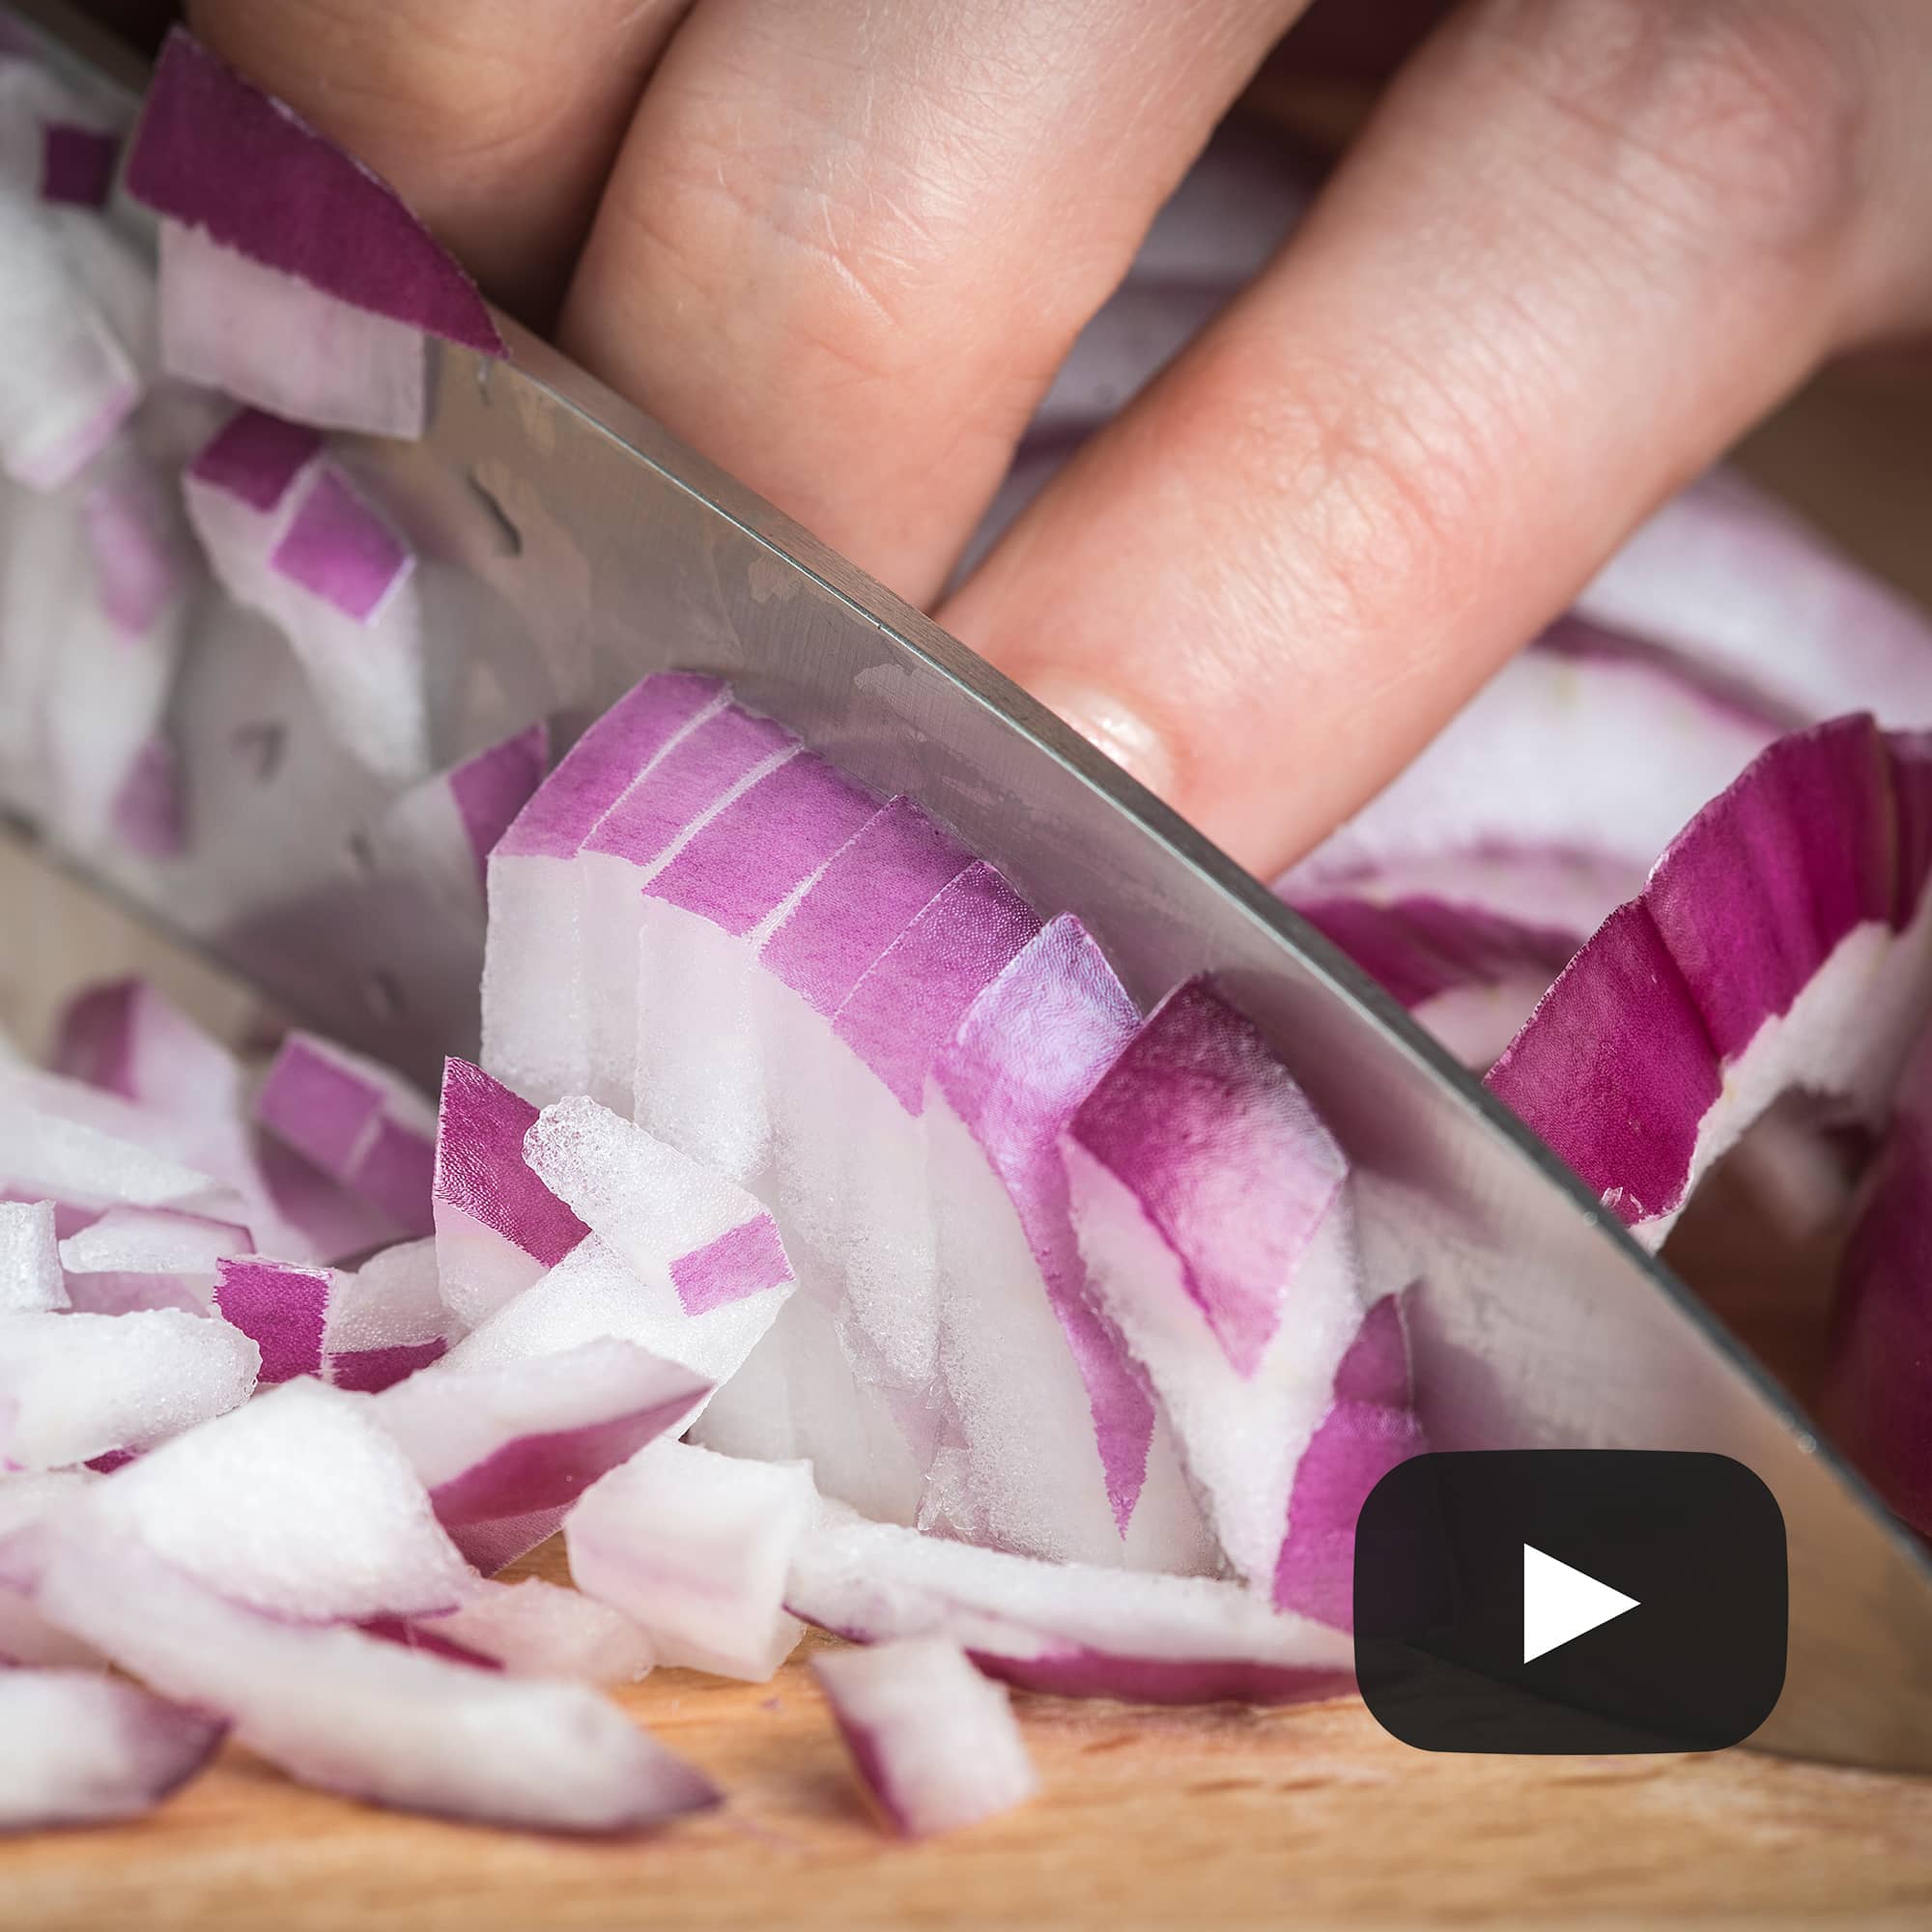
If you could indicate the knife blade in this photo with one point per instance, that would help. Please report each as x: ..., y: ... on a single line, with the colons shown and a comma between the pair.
x: 568, y: 546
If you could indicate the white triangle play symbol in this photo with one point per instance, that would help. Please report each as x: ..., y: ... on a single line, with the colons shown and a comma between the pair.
x: 1559, y: 1603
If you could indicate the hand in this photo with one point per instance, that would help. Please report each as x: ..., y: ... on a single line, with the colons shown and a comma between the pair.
x: 842, y: 245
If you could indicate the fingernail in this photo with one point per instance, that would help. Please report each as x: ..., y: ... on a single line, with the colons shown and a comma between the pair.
x: 1111, y: 726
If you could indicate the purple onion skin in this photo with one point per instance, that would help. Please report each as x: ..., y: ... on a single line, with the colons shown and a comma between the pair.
x: 480, y: 1167
x: 1828, y: 830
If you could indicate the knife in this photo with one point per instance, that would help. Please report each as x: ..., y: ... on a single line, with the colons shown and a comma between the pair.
x: 568, y: 546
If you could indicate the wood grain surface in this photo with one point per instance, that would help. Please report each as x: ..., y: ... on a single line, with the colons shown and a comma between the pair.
x: 1309, y: 1819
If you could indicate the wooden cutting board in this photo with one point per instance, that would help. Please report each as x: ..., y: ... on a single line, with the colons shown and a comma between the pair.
x: 1223, y: 1818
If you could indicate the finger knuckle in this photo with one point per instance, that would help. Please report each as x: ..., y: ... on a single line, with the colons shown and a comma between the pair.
x: 1734, y: 118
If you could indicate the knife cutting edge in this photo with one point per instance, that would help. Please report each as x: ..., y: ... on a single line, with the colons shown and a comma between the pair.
x: 569, y: 546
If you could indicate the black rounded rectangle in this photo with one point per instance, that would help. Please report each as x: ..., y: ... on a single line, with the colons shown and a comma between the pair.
x: 1570, y: 1601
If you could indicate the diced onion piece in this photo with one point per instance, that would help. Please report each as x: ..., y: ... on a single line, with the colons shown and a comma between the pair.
x: 283, y: 1307
x: 298, y: 1503
x: 129, y: 1038
x: 935, y: 1743
x: 293, y: 276
x: 26, y: 1504
x: 149, y: 1258
x: 30, y: 1281
x: 76, y: 1386
x: 346, y: 1712
x: 697, y: 1549
x: 519, y: 1436
x: 67, y: 384
x: 1074, y: 1630
x: 542, y: 1630
x: 499, y: 1229
x: 358, y: 1122
x: 386, y: 1319
x: 84, y: 1750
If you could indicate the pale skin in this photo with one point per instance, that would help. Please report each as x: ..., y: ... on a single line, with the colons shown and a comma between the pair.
x: 842, y: 245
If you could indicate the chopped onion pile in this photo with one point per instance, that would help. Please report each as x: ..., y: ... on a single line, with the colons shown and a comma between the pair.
x: 827, y: 1236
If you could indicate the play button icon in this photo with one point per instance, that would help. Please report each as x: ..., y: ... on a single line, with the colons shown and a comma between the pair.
x: 1559, y: 1603
x: 1570, y: 1601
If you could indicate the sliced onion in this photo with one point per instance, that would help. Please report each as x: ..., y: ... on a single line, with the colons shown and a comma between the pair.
x: 533, y: 1025
x: 696, y: 1548
x: 1470, y: 975
x: 1026, y: 1356
x: 1539, y: 766
x: 1210, y: 1208
x: 1736, y: 582
x: 1783, y: 941
x: 935, y: 1743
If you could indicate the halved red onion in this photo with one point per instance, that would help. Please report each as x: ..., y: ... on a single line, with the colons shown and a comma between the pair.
x: 76, y: 1386
x: 1538, y: 767
x: 512, y: 1438
x: 1735, y: 582
x: 534, y: 992
x: 697, y: 1549
x: 356, y: 1120
x: 84, y: 1750
x: 1877, y: 1394
x: 291, y: 276
x: 300, y: 1504
x: 499, y: 1229
x: 1470, y: 975
x: 31, y: 1281
x: 541, y: 1631
x: 1783, y: 941
x: 289, y: 534
x: 346, y: 1712
x: 1211, y: 1210
x: 386, y: 1319
x: 934, y: 1743
x: 1074, y: 1630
